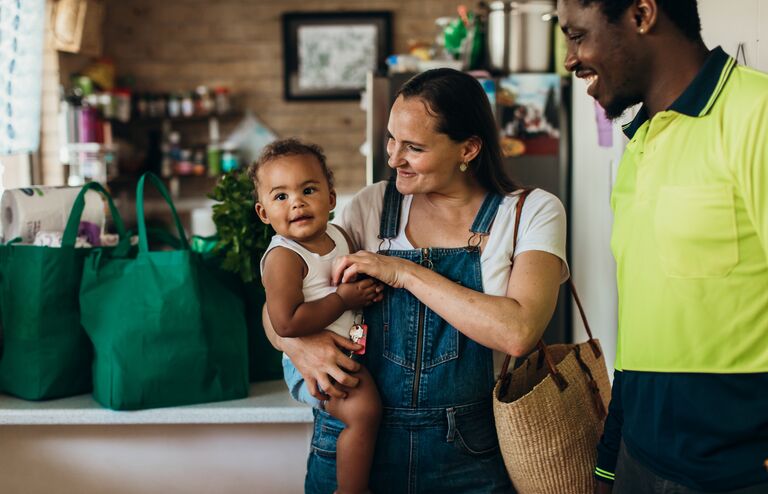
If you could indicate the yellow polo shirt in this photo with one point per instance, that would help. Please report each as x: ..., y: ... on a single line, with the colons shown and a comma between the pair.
x: 690, y: 234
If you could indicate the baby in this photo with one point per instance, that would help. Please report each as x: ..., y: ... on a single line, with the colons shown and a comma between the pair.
x: 295, y: 195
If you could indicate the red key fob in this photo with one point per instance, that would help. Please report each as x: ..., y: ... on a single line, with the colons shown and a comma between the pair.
x: 358, y: 334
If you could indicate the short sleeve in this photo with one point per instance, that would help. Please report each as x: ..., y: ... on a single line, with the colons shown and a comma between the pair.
x: 543, y: 227
x: 361, y: 216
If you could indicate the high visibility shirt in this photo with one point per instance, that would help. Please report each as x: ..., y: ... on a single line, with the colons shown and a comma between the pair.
x: 690, y: 233
x: 690, y: 239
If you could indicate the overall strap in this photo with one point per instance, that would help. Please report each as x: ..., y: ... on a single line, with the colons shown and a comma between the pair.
x: 390, y: 215
x: 484, y: 218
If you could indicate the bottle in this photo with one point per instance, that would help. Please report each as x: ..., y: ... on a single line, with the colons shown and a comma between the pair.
x: 174, y: 105
x: 204, y: 101
x: 187, y: 105
x: 123, y: 105
x: 213, y: 151
x: 222, y: 100
x: 198, y: 163
x: 229, y: 159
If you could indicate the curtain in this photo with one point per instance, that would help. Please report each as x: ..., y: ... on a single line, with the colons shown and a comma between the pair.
x: 21, y: 62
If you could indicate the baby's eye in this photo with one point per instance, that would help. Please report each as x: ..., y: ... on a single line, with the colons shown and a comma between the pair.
x: 310, y: 190
x: 281, y: 196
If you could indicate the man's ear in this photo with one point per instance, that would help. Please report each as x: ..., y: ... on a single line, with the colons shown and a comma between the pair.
x: 645, y: 14
x: 261, y: 212
x: 333, y: 199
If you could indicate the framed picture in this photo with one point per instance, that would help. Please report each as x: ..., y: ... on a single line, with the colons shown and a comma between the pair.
x: 327, y: 55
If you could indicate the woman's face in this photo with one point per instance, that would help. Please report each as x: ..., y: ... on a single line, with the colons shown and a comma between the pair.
x: 425, y: 160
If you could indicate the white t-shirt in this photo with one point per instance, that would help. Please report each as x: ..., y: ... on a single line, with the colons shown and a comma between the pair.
x: 542, y: 227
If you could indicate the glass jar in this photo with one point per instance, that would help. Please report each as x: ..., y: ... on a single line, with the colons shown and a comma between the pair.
x: 222, y: 100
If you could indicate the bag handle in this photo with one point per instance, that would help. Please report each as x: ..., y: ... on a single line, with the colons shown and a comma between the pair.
x: 143, y: 239
x: 541, y: 346
x: 73, y: 223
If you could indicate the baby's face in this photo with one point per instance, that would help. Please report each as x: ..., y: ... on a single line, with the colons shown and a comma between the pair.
x: 294, y: 197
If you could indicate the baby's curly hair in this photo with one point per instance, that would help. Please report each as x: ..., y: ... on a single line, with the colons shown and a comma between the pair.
x: 287, y: 147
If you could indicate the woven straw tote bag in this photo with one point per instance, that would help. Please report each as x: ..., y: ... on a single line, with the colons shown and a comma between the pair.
x: 549, y: 413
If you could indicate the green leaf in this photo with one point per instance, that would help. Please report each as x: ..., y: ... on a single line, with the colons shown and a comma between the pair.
x: 243, y: 238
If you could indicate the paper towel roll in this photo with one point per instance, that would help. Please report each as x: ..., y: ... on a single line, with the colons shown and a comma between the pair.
x: 28, y: 211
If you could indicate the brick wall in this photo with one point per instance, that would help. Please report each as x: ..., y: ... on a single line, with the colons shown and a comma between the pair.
x: 174, y: 45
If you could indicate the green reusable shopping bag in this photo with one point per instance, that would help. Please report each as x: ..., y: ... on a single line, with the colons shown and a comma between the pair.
x: 46, y: 352
x: 167, y: 328
x: 264, y: 362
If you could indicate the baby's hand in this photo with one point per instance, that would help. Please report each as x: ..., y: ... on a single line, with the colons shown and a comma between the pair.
x: 360, y: 293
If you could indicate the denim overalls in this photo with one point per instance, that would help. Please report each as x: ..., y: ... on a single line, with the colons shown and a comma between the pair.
x: 437, y: 432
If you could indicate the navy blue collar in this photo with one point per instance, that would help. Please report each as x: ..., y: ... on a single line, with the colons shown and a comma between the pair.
x: 701, y: 93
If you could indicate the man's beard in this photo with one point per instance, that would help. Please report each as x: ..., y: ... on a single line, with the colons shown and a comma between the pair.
x: 620, y: 104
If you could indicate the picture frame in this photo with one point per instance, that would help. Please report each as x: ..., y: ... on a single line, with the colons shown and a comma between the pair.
x: 326, y: 55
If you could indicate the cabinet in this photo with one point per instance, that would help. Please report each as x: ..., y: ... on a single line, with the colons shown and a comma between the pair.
x: 73, y: 446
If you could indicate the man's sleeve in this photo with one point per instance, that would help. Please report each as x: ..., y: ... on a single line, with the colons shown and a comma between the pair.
x: 608, y: 447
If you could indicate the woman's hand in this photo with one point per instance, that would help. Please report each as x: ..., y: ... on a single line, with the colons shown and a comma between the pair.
x: 321, y: 360
x: 389, y: 270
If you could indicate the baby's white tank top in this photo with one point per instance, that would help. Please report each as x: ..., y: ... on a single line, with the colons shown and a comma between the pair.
x: 317, y: 283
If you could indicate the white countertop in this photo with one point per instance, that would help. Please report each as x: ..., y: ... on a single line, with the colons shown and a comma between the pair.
x: 267, y: 403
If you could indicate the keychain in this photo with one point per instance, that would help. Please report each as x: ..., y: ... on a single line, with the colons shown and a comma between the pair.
x: 358, y: 334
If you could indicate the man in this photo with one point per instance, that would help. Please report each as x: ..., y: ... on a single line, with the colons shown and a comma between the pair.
x: 689, y: 411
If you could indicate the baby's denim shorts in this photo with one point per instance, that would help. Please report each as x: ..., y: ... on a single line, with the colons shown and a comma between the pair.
x: 297, y: 386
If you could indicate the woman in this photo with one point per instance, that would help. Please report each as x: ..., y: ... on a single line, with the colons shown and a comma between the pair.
x: 442, y: 232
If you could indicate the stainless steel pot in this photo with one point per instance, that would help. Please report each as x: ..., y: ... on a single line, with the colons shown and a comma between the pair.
x: 520, y: 35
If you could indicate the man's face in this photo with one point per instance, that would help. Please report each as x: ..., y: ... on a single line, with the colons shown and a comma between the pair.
x: 604, y: 54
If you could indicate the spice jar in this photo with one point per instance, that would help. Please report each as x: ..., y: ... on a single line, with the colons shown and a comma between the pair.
x: 222, y: 100
x: 187, y: 105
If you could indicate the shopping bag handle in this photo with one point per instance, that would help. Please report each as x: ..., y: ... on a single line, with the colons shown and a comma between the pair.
x: 140, y: 220
x: 73, y: 223
x: 544, y: 353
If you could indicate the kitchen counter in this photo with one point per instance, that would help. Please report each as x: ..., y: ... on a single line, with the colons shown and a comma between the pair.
x: 267, y: 403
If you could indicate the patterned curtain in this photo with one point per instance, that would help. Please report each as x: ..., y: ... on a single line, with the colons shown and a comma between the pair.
x: 21, y: 63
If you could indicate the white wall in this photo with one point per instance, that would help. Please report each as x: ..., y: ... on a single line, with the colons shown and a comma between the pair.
x: 728, y: 23
x: 593, y: 270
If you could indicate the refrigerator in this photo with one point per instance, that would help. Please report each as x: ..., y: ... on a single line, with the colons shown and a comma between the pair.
x: 533, y: 113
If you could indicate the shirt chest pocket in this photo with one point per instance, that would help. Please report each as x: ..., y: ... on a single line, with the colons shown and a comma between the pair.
x: 696, y: 232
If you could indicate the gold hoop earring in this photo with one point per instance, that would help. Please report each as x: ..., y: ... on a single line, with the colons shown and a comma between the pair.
x: 463, y: 167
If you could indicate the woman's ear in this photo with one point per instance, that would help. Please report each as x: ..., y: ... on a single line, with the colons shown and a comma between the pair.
x: 261, y: 212
x: 471, y: 149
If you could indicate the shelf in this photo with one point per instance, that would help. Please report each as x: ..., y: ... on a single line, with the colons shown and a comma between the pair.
x: 176, y: 120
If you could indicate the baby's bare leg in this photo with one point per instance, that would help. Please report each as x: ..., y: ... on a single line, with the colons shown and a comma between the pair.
x: 361, y: 413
